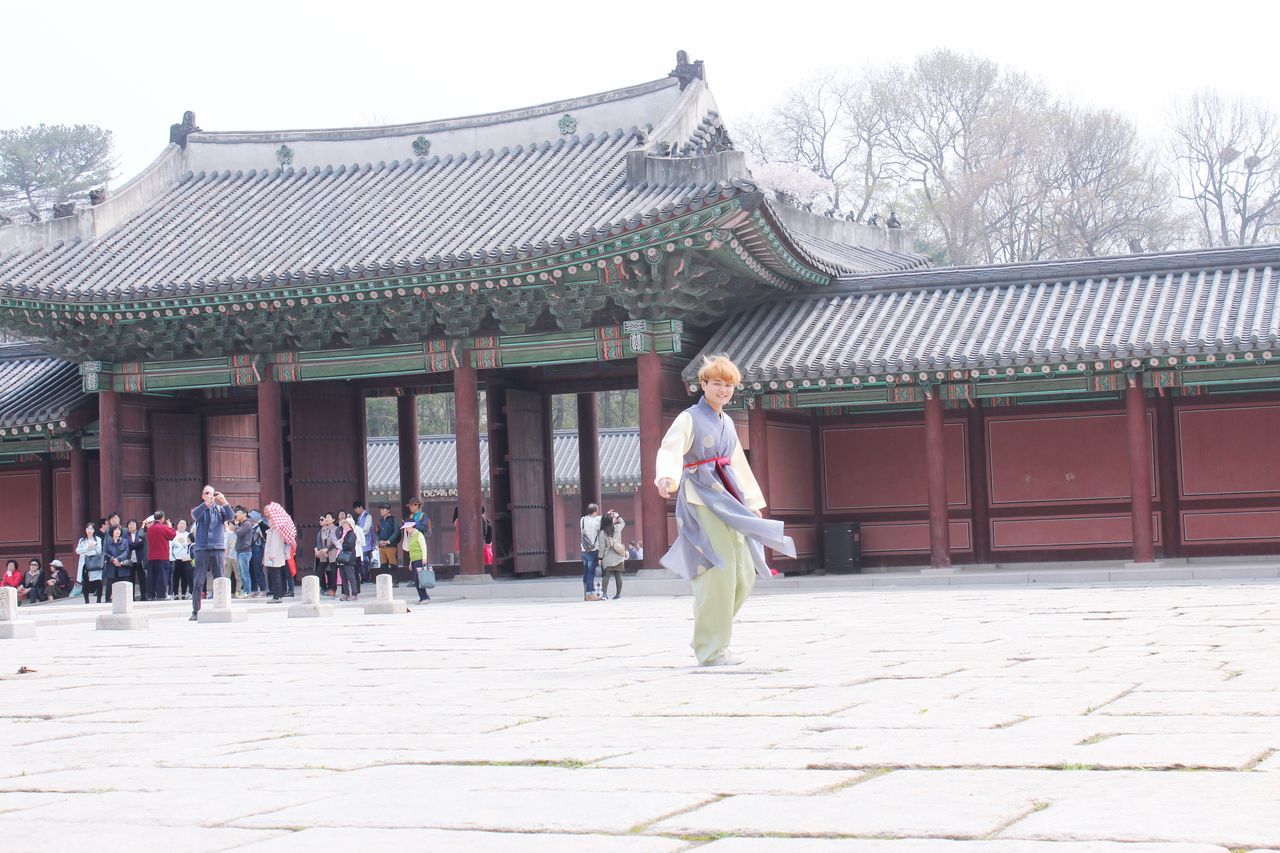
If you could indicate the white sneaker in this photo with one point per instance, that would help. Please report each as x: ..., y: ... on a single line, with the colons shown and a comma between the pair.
x: 725, y: 659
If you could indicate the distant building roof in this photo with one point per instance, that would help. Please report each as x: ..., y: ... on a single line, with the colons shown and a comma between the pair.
x: 1052, y: 312
x: 235, y: 213
x: 437, y: 462
x: 36, y: 390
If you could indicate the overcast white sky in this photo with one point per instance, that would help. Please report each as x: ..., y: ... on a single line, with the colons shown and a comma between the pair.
x: 134, y: 67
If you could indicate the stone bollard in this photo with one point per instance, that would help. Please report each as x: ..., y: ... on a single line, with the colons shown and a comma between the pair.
x: 121, y: 617
x: 12, y: 628
x: 386, y: 602
x: 310, y: 606
x: 221, y: 611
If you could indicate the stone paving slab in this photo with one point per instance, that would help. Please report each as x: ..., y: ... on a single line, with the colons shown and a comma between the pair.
x: 509, y: 810
x: 343, y: 839
x: 1238, y: 810
x: 935, y: 718
x: 868, y: 845
x: 49, y: 835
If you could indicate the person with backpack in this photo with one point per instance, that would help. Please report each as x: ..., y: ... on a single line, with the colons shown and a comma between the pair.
x: 589, y: 528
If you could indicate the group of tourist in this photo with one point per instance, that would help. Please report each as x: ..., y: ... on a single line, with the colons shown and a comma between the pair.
x: 351, y: 548
x: 720, y: 542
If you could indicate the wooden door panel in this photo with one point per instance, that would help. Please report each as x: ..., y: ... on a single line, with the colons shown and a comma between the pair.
x: 231, y: 454
x: 326, y: 443
x: 177, y: 469
x: 526, y: 425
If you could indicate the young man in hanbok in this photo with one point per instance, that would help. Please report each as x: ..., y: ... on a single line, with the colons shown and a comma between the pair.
x: 720, y: 534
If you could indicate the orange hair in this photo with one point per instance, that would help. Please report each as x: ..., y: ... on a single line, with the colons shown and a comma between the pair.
x: 719, y: 367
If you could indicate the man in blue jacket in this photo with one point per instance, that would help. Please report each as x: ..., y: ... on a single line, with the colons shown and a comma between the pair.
x: 210, y: 543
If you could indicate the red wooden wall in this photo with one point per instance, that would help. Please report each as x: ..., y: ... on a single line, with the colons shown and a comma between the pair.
x: 1024, y: 483
x: 1228, y: 477
x: 23, y: 498
x: 1051, y: 481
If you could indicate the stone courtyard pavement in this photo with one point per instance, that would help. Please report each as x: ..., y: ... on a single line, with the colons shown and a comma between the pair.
x: 1012, y: 718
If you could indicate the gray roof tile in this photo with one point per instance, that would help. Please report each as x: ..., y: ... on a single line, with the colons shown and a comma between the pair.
x: 36, y: 388
x: 300, y: 225
x: 983, y: 317
x: 858, y: 259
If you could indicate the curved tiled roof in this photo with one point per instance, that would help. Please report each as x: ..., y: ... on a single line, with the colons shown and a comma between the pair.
x: 858, y: 259
x: 246, y: 229
x: 984, y: 317
x: 438, y: 467
x: 35, y: 387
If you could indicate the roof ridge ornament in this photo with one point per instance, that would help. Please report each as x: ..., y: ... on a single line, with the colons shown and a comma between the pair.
x: 685, y: 71
x: 178, y: 133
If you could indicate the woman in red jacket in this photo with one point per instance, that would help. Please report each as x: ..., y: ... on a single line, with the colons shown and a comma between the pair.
x: 13, y: 577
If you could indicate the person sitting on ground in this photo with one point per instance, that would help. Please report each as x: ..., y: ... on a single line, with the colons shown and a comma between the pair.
x: 57, y: 583
x: 13, y: 578
x: 90, y: 571
x: 613, y: 557
x: 33, y: 583
x: 417, y: 547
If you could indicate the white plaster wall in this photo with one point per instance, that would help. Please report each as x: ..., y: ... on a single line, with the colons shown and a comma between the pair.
x: 638, y: 106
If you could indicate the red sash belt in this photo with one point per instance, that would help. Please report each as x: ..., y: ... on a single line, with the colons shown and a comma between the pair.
x: 719, y: 460
x: 721, y: 463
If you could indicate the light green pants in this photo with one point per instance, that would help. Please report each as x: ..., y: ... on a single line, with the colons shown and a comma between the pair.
x: 718, y: 593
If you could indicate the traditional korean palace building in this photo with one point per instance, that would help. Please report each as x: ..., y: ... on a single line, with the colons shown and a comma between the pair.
x: 221, y: 318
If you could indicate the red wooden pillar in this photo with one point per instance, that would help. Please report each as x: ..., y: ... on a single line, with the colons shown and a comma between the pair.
x: 407, y: 433
x: 110, y: 485
x: 936, y: 469
x: 588, y: 452
x: 466, y: 395
x: 979, y: 492
x: 270, y: 442
x: 758, y: 434
x: 1135, y: 404
x: 79, y: 484
x: 654, y: 523
x: 1167, y: 470
x: 48, y: 507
